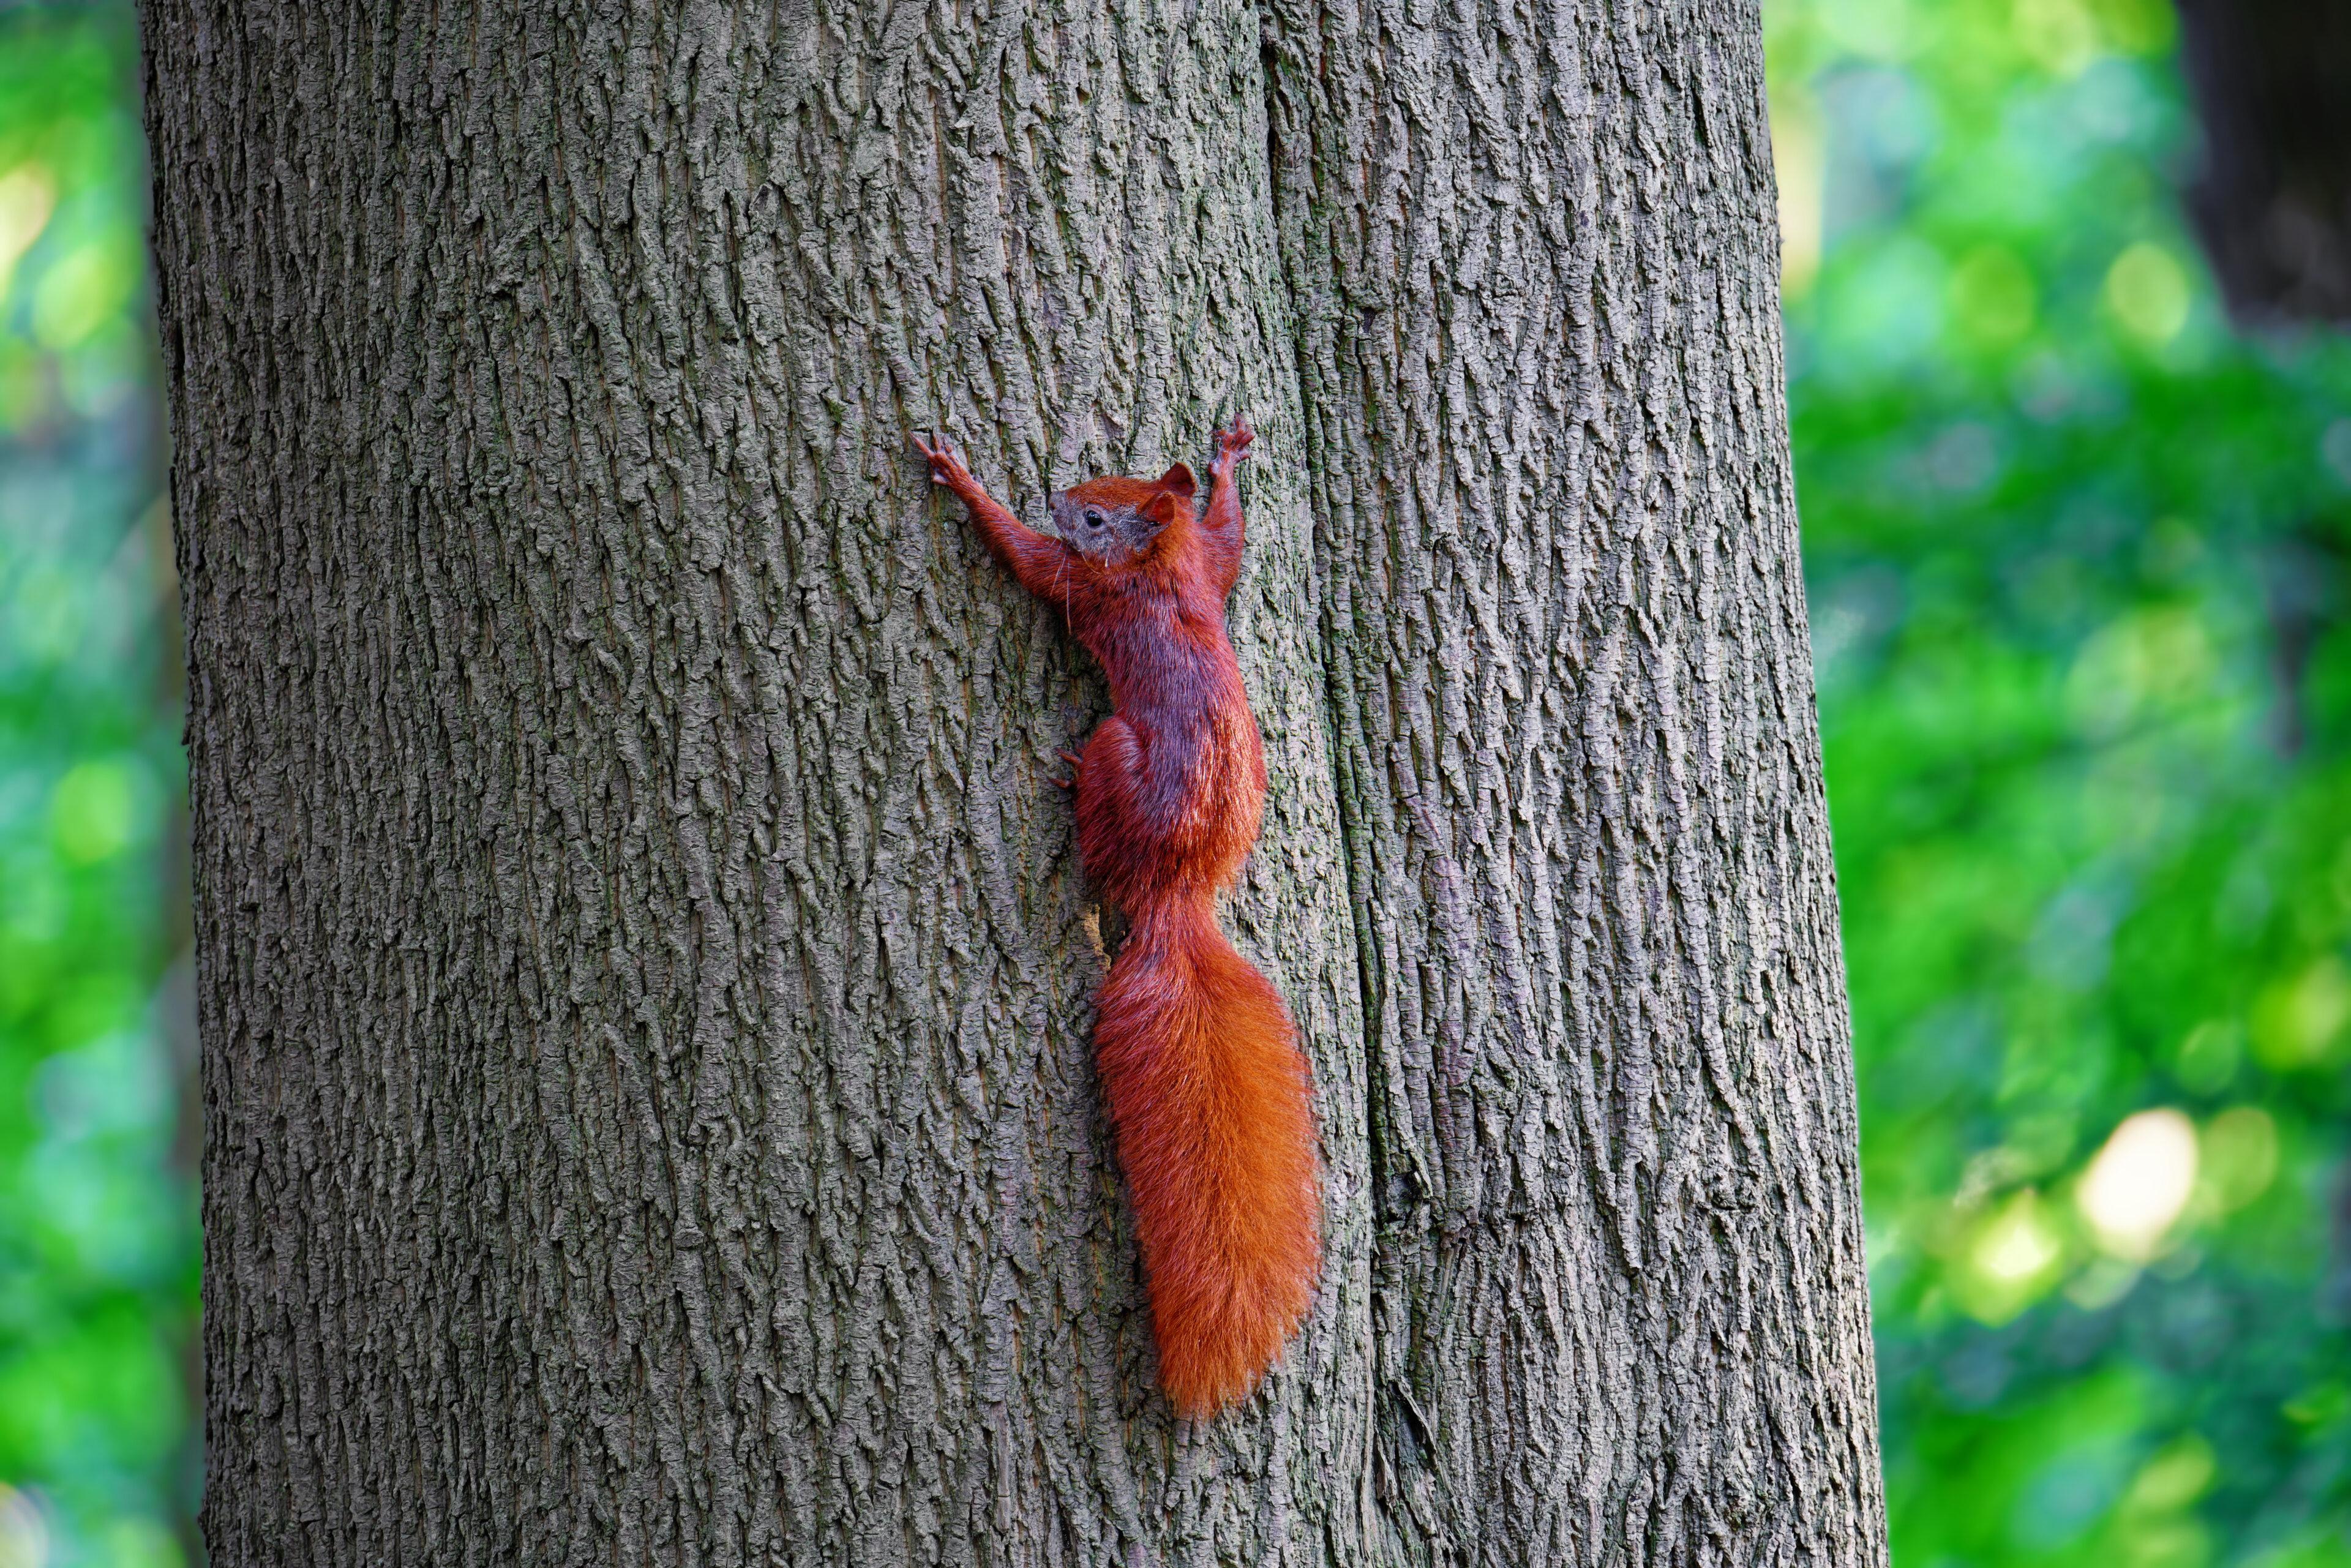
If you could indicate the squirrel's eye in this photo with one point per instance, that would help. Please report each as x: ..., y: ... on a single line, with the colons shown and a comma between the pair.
x: 1094, y: 519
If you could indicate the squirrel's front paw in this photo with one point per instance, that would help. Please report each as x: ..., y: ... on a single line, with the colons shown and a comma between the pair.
x: 946, y: 468
x: 1233, y: 444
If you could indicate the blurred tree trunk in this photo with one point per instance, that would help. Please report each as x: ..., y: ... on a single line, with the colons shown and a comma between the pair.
x: 645, y: 975
x: 2271, y: 201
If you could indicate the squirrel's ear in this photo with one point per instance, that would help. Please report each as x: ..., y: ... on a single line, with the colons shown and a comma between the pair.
x: 1179, y: 480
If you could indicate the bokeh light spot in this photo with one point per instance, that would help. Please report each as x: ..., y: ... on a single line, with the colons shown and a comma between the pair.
x: 27, y: 196
x: 2176, y: 1477
x: 1875, y: 29
x: 2060, y: 35
x: 94, y: 811
x: 81, y: 293
x: 23, y: 1531
x: 2139, y: 1182
x: 2015, y: 1246
x: 2240, y: 1150
x: 1991, y: 296
x: 2011, y: 1260
x: 2296, y: 1021
x: 2148, y: 292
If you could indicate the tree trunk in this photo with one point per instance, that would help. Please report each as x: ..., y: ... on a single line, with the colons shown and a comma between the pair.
x: 644, y: 971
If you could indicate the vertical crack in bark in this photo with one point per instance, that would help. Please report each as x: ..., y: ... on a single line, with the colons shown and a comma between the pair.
x: 1345, y: 788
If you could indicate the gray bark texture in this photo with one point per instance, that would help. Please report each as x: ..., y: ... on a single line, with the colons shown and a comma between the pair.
x: 645, y: 974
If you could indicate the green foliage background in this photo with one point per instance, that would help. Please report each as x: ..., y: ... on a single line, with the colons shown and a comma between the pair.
x: 2076, y: 551
x: 97, y: 1220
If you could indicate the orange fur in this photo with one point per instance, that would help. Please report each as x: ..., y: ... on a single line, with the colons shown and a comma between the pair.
x: 1209, y: 1095
x: 1215, y: 1130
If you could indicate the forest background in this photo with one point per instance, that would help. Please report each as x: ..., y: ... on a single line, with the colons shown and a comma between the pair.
x: 2076, y: 551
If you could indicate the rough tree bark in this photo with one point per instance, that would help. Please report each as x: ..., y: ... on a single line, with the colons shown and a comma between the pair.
x: 644, y: 972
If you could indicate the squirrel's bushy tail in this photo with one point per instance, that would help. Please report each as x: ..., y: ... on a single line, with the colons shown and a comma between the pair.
x: 1216, y: 1131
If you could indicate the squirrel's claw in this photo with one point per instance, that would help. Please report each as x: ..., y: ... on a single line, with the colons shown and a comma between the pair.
x: 1075, y: 762
x: 944, y: 465
x: 1233, y: 441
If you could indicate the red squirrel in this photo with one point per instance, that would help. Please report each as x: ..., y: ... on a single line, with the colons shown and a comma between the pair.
x: 1209, y: 1095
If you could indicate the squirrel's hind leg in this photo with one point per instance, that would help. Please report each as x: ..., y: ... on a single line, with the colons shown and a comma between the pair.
x: 1108, y: 780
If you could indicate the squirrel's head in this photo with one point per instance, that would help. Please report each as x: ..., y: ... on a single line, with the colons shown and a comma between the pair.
x: 1114, y: 521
